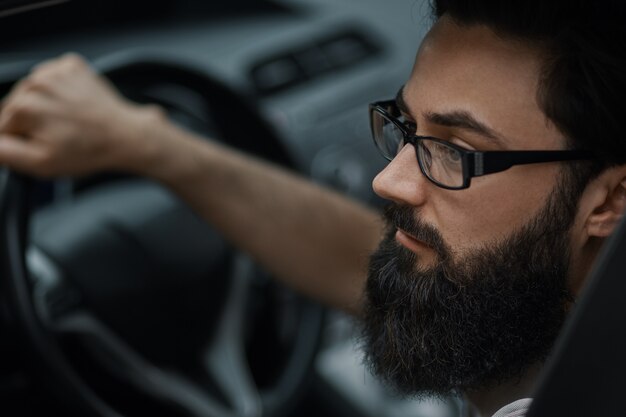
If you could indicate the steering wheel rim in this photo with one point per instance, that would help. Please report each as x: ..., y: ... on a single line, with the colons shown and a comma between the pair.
x: 14, y: 211
x: 14, y: 223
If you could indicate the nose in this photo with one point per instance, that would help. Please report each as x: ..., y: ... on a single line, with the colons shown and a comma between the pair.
x: 402, y: 181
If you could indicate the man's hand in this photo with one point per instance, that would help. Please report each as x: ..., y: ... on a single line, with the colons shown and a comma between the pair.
x: 64, y: 119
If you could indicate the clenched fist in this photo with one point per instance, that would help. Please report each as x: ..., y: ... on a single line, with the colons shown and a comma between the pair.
x: 64, y: 119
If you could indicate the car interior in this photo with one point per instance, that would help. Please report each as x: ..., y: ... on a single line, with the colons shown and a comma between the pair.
x: 117, y: 300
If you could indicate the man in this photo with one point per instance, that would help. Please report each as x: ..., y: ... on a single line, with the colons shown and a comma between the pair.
x: 483, y: 251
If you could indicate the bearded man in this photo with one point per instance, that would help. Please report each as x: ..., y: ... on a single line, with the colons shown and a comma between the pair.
x: 507, y: 173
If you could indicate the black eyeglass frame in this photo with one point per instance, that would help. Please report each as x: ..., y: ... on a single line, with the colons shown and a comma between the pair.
x: 473, y: 163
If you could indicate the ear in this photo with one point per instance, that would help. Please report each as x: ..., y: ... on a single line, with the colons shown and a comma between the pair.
x: 608, y: 202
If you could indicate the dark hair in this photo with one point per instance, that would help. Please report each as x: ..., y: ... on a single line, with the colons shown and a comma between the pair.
x: 583, y: 85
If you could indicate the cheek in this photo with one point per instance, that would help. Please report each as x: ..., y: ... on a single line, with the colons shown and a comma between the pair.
x: 493, y: 207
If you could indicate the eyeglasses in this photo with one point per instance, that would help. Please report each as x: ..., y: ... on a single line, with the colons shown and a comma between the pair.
x: 446, y: 164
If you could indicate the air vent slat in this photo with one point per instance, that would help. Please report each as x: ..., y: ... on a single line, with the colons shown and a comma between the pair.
x: 311, y: 61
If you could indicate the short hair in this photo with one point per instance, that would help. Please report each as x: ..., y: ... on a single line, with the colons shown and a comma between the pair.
x: 582, y: 88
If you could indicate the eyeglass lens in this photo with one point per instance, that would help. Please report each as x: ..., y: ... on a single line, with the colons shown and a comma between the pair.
x: 442, y: 164
x: 388, y: 137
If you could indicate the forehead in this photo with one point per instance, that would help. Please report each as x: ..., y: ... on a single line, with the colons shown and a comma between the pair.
x: 471, y: 69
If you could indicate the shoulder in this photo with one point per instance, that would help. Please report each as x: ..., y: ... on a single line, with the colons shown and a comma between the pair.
x: 515, y: 409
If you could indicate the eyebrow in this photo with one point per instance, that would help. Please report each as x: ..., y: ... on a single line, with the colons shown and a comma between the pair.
x: 459, y: 119
x: 400, y: 103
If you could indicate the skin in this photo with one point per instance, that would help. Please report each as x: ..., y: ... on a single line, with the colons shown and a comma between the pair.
x: 471, y: 76
x: 65, y: 120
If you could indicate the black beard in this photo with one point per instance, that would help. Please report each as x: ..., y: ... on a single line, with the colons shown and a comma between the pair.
x: 472, y: 323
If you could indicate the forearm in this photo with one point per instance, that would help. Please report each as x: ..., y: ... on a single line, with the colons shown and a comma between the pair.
x: 314, y: 240
x: 66, y: 120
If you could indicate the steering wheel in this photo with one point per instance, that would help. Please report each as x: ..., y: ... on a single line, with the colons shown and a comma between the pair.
x: 131, y: 304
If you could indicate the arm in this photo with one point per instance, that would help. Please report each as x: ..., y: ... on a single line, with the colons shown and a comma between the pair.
x: 310, y: 238
x: 315, y: 240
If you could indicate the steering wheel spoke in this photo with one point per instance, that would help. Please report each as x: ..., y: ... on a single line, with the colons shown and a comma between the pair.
x: 130, y: 367
x: 225, y: 358
x: 58, y: 305
x: 53, y: 295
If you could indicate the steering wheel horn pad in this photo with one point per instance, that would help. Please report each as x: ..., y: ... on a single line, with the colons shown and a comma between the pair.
x: 89, y: 268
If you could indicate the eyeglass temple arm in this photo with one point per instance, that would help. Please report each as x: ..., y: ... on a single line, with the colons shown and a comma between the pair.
x: 496, y: 161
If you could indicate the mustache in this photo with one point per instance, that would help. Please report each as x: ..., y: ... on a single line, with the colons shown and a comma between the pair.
x: 407, y: 219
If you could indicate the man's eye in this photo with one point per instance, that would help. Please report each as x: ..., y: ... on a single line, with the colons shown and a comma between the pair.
x: 452, y: 155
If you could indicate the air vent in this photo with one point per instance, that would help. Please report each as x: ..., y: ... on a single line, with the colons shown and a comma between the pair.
x: 300, y: 65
